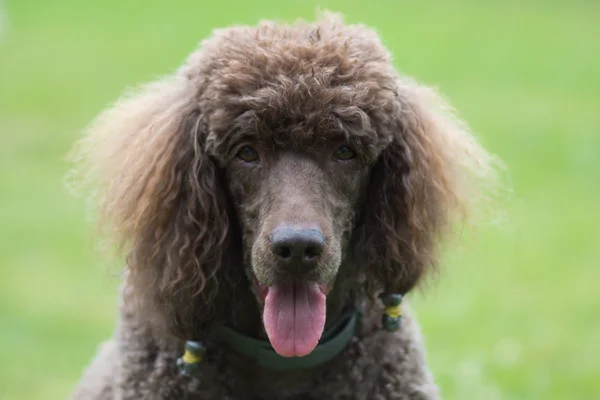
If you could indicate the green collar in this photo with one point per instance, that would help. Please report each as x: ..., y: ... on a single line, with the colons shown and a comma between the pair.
x: 333, y: 341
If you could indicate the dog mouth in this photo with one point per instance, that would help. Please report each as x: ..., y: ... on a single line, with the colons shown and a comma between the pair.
x: 293, y: 316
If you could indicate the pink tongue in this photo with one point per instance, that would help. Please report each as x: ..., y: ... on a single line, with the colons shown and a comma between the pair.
x: 294, y: 317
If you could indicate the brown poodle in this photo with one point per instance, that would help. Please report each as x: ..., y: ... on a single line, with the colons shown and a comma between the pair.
x: 266, y: 194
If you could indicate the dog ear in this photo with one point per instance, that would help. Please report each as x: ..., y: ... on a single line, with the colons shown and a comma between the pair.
x: 423, y: 182
x: 163, y: 199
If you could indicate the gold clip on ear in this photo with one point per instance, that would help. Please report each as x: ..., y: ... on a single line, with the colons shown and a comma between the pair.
x: 391, y: 319
x: 189, y: 363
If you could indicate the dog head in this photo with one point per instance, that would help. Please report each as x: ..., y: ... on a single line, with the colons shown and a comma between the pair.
x: 293, y: 151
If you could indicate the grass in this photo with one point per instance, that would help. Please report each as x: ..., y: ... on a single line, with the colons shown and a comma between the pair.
x: 514, y: 314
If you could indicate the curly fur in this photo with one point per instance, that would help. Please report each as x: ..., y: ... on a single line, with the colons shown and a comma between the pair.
x: 157, y: 161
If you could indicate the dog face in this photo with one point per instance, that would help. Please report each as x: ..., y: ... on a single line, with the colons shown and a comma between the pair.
x: 296, y: 192
x: 296, y: 204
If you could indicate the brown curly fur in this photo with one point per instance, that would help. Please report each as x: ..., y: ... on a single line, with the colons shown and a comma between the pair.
x: 158, y: 160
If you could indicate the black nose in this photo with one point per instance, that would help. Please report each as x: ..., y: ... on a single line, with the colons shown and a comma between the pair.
x: 297, y: 248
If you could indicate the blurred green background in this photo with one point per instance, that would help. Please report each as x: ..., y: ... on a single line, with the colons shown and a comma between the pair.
x: 515, y: 313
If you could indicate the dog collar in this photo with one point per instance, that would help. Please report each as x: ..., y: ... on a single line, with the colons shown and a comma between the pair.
x: 332, y: 342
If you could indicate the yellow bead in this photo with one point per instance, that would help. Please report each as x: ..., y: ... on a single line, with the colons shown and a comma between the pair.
x: 394, y: 311
x: 190, y: 358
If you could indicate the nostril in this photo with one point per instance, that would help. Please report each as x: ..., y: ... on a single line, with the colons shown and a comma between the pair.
x: 312, y: 252
x: 283, y: 252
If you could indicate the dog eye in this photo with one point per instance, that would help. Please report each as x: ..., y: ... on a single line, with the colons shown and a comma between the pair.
x: 344, y: 153
x: 247, y: 154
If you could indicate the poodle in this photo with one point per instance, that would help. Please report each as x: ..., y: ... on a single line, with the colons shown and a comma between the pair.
x: 275, y: 198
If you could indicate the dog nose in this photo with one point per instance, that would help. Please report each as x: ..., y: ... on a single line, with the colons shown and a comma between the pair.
x: 297, y: 248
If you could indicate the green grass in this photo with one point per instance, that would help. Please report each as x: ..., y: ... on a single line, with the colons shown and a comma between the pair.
x: 515, y: 313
